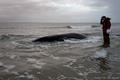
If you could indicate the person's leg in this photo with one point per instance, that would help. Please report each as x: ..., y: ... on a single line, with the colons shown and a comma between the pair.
x: 108, y: 40
x: 104, y: 38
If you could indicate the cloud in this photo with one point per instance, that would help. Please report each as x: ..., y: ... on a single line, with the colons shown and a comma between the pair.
x: 58, y: 10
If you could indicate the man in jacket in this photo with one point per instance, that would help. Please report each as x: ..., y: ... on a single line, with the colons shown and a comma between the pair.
x: 105, y: 21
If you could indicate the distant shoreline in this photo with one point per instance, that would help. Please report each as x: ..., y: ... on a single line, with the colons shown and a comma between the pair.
x: 60, y: 22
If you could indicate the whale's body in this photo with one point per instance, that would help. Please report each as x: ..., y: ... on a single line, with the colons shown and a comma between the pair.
x: 60, y: 37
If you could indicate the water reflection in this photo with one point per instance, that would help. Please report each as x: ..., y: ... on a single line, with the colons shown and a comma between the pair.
x: 103, y: 60
x: 103, y: 64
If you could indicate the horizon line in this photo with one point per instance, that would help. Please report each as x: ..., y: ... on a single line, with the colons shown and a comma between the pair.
x: 46, y: 22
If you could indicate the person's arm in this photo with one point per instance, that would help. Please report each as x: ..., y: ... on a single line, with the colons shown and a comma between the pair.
x: 101, y: 21
x: 108, y: 25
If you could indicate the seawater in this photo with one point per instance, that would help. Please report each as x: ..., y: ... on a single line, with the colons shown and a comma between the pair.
x: 72, y: 59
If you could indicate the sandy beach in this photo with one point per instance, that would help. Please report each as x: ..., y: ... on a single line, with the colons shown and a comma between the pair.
x: 21, y: 59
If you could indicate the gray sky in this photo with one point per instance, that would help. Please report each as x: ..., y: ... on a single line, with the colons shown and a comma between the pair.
x: 59, y: 10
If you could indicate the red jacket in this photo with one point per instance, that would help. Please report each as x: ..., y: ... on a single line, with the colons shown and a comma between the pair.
x: 107, y: 25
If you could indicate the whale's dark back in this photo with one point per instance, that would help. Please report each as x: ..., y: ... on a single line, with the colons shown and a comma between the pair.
x: 60, y: 37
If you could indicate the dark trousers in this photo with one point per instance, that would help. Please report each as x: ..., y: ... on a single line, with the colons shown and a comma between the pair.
x: 106, y: 38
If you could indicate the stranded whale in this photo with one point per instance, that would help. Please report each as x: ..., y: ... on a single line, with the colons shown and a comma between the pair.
x: 60, y: 37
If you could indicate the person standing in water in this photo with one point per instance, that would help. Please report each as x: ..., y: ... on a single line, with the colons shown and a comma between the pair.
x: 106, y: 25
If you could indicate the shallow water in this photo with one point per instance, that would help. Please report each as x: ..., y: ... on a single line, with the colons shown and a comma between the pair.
x: 21, y: 59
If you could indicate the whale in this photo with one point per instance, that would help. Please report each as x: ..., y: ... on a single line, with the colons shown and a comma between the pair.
x: 60, y: 37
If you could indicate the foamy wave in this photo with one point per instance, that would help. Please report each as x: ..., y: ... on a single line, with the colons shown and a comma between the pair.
x: 79, y: 27
x: 10, y: 36
x: 72, y: 41
x: 4, y: 37
x: 27, y: 75
x: 70, y: 62
x: 7, y: 68
x: 101, y: 54
x: 36, y: 63
x: 91, y: 39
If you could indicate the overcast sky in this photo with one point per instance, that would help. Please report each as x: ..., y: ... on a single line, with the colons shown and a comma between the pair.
x: 59, y: 10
